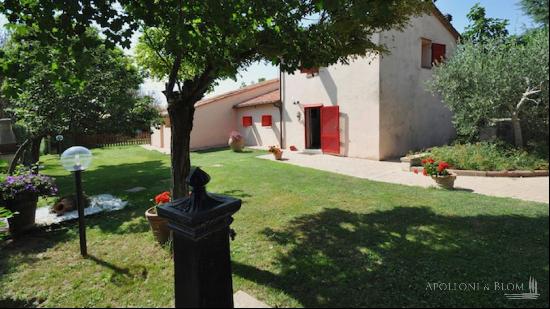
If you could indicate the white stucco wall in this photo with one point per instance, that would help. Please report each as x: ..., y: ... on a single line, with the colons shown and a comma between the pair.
x: 214, y: 120
x: 411, y: 118
x: 257, y: 135
x: 354, y: 88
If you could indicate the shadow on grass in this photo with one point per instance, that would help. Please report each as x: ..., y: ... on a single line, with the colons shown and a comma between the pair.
x: 387, y: 258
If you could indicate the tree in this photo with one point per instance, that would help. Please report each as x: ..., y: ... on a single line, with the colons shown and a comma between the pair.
x: 537, y: 9
x: 197, y: 43
x: 497, y: 79
x: 482, y: 27
x: 104, y: 100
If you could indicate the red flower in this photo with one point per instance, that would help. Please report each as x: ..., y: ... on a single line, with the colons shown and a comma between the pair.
x: 162, y: 198
x: 442, y: 166
x: 425, y: 172
x: 431, y: 161
x: 415, y: 170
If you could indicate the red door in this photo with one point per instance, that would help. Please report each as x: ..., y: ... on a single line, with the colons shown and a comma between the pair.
x: 330, y: 129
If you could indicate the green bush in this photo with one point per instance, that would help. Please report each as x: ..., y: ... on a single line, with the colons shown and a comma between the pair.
x: 488, y: 157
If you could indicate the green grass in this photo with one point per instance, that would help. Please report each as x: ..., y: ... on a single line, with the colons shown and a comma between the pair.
x: 304, y: 238
x: 488, y: 157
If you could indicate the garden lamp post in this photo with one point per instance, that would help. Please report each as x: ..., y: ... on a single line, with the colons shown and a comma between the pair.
x: 77, y: 159
x: 59, y: 139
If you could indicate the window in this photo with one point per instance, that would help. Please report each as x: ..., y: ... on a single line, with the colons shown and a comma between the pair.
x: 438, y: 53
x: 266, y: 120
x: 426, y: 54
x: 247, y: 121
x: 309, y: 71
x: 432, y: 53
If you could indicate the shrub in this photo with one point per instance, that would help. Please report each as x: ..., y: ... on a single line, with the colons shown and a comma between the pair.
x: 487, y: 157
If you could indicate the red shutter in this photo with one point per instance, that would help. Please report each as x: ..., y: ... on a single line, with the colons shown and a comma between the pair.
x: 438, y: 53
x: 247, y: 121
x: 330, y: 129
x: 266, y: 120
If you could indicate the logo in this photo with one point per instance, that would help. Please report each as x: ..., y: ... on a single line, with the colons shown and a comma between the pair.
x: 532, y: 295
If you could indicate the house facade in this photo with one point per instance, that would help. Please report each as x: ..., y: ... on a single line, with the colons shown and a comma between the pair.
x: 377, y: 107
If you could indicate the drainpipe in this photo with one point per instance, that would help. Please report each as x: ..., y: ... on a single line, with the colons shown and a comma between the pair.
x: 281, y: 107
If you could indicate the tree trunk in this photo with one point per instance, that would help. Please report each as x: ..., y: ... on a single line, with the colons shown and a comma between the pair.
x: 181, y: 111
x: 32, y: 156
x: 518, y: 135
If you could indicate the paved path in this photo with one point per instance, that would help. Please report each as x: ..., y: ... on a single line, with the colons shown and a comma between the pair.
x: 530, y: 189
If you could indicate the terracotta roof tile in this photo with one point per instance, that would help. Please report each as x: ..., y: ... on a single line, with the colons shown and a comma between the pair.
x: 267, y: 98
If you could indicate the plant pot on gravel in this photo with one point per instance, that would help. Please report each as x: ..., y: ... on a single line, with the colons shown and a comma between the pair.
x: 20, y: 192
x: 159, y: 226
x: 24, y: 209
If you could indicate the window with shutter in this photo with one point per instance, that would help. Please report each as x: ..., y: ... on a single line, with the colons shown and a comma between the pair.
x: 266, y: 120
x: 247, y: 121
x: 438, y: 53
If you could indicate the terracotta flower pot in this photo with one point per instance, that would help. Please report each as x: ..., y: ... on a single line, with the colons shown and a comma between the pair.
x: 278, y: 155
x: 159, y: 226
x: 445, y: 182
x: 25, y: 208
x: 236, y: 145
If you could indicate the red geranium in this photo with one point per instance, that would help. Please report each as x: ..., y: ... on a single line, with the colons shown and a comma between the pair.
x: 162, y: 198
x: 442, y: 166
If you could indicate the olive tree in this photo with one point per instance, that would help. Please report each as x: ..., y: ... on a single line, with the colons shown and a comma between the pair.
x: 497, y: 79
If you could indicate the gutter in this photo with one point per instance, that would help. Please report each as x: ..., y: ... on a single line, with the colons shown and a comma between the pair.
x: 281, y: 107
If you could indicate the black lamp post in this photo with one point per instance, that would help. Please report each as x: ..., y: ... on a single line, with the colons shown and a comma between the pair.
x: 77, y: 159
x: 59, y: 139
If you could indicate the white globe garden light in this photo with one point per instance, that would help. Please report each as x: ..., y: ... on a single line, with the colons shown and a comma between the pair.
x: 77, y: 159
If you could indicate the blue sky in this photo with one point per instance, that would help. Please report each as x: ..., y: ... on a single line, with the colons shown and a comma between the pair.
x: 508, y: 9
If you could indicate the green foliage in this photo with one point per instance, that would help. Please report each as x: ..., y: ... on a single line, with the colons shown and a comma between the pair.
x: 537, y: 9
x: 487, y: 80
x: 482, y: 28
x: 487, y: 157
x: 103, y: 98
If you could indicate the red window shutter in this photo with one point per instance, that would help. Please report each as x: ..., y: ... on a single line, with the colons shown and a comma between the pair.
x: 438, y: 53
x: 266, y: 120
x: 330, y: 129
x: 247, y: 121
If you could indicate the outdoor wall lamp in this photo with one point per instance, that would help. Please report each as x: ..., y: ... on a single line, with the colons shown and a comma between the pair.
x: 299, y: 115
x: 77, y: 159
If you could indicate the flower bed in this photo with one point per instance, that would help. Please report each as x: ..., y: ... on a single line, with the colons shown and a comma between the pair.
x: 488, y: 159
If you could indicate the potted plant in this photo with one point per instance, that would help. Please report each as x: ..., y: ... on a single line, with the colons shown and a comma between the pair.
x: 439, y: 171
x: 19, y: 193
x: 276, y: 151
x: 159, y: 225
x: 236, y: 141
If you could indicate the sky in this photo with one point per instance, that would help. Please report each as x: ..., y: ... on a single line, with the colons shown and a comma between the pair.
x: 508, y: 9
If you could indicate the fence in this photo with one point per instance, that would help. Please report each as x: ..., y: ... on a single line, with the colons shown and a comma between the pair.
x: 109, y: 140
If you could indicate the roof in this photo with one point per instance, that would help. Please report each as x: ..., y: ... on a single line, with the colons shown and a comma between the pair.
x: 236, y: 92
x: 446, y: 22
x: 273, y: 97
x: 228, y: 94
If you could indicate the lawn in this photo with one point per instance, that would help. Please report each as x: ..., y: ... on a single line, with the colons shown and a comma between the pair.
x: 304, y: 238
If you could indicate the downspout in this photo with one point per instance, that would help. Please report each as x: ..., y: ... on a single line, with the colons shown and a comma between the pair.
x: 281, y: 107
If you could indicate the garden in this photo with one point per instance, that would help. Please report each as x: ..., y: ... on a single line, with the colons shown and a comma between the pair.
x: 304, y: 238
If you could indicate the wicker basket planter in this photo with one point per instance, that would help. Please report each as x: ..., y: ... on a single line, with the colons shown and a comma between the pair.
x: 445, y: 182
x: 159, y: 226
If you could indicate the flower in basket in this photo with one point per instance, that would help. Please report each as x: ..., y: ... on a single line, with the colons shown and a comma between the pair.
x: 435, y: 168
x: 274, y: 149
x: 27, y: 183
x: 162, y: 198
x: 236, y: 136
